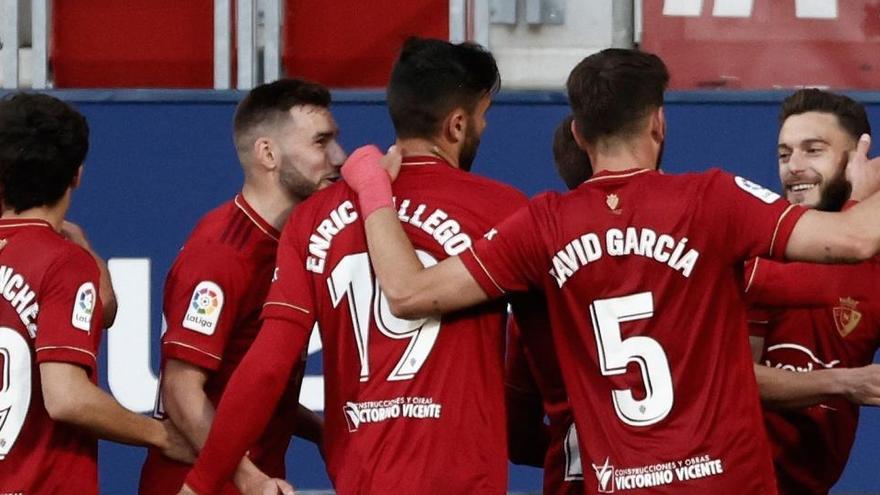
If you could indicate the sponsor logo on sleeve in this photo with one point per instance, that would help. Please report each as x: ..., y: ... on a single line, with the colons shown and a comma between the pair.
x: 204, y: 308
x: 757, y: 190
x: 83, y: 307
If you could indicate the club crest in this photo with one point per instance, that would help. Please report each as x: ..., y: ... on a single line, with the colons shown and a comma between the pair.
x: 846, y: 316
x: 612, y: 201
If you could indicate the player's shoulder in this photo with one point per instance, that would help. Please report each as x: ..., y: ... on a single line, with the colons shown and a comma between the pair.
x: 499, y: 191
x: 213, y: 224
x: 67, y: 256
x: 550, y: 199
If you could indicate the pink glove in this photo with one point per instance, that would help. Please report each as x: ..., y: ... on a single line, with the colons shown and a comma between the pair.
x: 370, y: 181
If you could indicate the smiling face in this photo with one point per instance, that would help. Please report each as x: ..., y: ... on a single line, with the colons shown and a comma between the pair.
x: 813, y: 150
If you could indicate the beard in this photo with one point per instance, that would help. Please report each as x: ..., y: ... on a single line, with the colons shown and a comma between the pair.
x: 469, y: 148
x: 837, y: 190
x: 295, y: 183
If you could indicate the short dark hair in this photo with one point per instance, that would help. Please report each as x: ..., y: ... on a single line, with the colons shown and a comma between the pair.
x: 572, y: 163
x: 850, y: 114
x: 611, y: 91
x: 269, y: 103
x: 431, y: 78
x: 43, y: 142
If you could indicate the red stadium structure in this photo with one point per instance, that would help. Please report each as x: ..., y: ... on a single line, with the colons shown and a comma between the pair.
x: 774, y: 46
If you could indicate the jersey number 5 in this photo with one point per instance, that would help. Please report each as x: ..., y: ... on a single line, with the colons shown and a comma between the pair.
x: 15, y: 387
x: 615, y: 353
x: 352, y: 279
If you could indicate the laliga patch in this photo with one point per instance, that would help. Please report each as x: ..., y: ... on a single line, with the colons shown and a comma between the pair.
x: 757, y: 190
x: 204, y: 308
x: 84, y: 307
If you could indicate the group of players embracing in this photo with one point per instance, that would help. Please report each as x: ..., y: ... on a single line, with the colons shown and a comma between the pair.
x: 625, y: 305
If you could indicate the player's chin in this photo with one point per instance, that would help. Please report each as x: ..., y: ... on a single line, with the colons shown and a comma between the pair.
x: 808, y: 199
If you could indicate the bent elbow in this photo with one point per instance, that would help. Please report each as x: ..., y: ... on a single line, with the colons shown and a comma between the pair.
x: 62, y: 406
x: 866, y: 248
x: 405, y: 307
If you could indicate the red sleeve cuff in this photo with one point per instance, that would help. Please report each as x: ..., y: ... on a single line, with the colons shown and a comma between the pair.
x: 756, y: 279
x: 67, y: 354
x: 481, y: 274
x: 784, y: 228
x: 172, y: 349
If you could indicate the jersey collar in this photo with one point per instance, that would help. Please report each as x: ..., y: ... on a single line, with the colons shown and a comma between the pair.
x: 254, y: 217
x: 617, y: 174
x: 24, y: 222
x: 424, y: 160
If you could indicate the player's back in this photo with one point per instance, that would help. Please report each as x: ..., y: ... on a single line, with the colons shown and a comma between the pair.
x: 411, y: 406
x: 49, y: 297
x: 649, y: 322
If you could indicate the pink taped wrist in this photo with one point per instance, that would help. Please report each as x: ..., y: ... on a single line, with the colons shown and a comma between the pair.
x: 363, y: 172
x: 375, y: 194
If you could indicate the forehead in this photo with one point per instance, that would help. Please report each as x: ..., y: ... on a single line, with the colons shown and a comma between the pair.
x: 310, y: 119
x: 811, y: 126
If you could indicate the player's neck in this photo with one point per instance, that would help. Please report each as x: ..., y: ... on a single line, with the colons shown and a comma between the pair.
x: 426, y: 147
x: 272, y: 204
x: 619, y: 156
x: 54, y: 215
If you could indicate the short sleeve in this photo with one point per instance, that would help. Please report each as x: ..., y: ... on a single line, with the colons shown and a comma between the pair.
x: 807, y: 285
x: 291, y: 295
x: 758, y: 222
x: 201, y: 304
x: 511, y: 257
x: 69, y: 320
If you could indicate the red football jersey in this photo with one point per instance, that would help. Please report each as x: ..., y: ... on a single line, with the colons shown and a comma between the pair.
x: 411, y: 406
x: 643, y: 276
x: 811, y: 445
x: 532, y: 367
x: 213, y: 297
x: 50, y: 312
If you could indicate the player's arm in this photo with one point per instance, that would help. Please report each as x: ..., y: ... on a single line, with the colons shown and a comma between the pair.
x: 247, y: 405
x: 414, y: 291
x: 71, y: 397
x: 75, y: 234
x: 783, y: 389
x: 190, y: 409
x: 309, y: 425
x: 528, y: 437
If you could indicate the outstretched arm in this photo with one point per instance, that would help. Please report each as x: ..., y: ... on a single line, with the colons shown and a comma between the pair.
x: 245, y: 409
x: 71, y: 397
